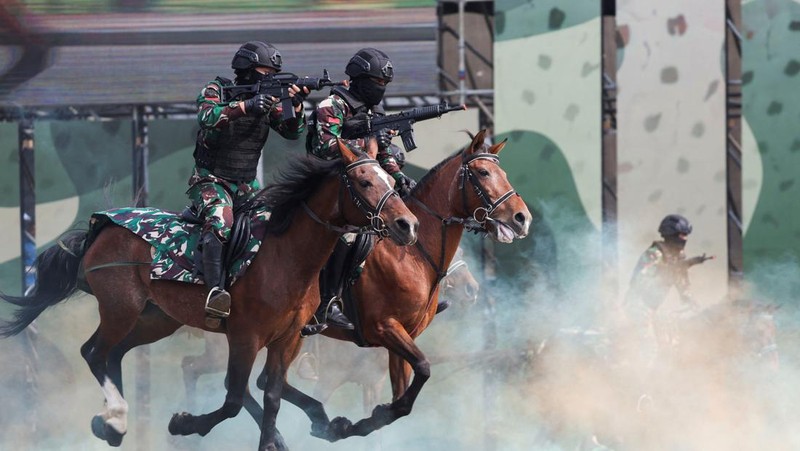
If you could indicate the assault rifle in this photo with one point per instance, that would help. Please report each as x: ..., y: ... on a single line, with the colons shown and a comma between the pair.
x: 362, y: 125
x: 277, y: 85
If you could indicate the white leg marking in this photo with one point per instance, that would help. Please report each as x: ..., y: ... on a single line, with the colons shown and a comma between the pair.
x: 116, y: 407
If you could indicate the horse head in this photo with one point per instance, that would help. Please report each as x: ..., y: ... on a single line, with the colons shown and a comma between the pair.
x: 373, y: 200
x: 492, y: 203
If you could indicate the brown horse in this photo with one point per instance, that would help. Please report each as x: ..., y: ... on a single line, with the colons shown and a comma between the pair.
x: 367, y: 369
x: 276, y: 297
x: 396, y: 295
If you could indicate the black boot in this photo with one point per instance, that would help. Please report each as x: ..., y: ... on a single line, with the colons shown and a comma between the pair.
x: 442, y: 306
x: 218, y: 302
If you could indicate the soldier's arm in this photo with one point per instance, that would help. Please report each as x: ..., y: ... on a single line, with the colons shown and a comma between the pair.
x: 290, y: 128
x: 331, y: 114
x: 211, y: 112
x: 387, y: 160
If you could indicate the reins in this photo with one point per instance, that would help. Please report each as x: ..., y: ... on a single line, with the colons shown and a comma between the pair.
x: 470, y: 223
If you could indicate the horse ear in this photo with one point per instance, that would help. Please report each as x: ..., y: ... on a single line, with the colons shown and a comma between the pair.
x: 347, y: 155
x: 495, y: 149
x: 477, y: 142
x: 372, y: 147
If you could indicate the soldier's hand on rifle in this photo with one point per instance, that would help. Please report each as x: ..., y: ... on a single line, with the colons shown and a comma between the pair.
x: 404, y: 184
x: 356, y: 126
x: 298, y: 95
x: 384, y: 139
x: 258, y: 105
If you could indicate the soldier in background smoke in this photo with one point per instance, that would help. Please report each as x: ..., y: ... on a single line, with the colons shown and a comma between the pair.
x: 661, y: 266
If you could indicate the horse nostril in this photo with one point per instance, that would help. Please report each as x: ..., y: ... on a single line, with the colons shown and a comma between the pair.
x: 520, y: 218
x: 471, y: 290
x: 403, y: 225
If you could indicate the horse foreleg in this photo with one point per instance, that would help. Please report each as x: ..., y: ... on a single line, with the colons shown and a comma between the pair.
x: 394, y: 337
x: 242, y: 354
x: 280, y: 355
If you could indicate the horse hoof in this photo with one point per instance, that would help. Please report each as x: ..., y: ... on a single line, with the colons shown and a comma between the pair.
x: 105, y: 432
x: 177, y: 425
x: 339, y: 428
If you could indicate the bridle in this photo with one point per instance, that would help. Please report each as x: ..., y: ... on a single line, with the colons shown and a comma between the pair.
x: 377, y: 226
x: 474, y: 222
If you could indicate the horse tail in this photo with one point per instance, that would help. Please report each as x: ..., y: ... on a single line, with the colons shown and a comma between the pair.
x: 56, y: 280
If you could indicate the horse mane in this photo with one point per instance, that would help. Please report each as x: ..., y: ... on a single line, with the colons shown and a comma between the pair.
x: 484, y: 149
x: 293, y: 184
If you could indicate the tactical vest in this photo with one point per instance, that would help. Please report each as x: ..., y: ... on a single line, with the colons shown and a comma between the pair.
x: 233, y: 154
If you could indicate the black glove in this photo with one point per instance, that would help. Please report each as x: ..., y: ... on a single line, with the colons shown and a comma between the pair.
x: 356, y: 126
x: 399, y: 155
x: 404, y: 184
x: 257, y: 105
x: 299, y: 97
x: 384, y: 139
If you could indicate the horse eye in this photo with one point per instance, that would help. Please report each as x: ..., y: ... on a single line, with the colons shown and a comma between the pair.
x: 365, y: 183
x: 483, y: 172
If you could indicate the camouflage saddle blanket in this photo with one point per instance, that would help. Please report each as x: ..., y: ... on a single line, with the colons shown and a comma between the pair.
x: 174, y: 241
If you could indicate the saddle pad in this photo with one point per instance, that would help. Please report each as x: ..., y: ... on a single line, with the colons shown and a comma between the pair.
x: 174, y: 241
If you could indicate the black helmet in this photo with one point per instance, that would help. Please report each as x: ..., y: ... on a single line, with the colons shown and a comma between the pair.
x: 370, y: 62
x: 673, y: 225
x: 256, y: 53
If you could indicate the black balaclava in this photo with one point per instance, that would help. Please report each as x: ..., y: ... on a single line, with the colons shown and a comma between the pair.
x: 367, y: 90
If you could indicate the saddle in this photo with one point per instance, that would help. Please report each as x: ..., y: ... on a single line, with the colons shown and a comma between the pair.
x: 175, y: 237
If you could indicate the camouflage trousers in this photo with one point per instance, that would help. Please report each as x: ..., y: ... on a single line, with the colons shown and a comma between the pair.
x: 214, y: 199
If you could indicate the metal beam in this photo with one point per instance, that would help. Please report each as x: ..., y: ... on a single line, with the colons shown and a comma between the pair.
x: 608, y: 83
x: 733, y: 147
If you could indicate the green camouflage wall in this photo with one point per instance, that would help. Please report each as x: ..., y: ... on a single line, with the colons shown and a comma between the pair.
x: 671, y: 128
x: 547, y: 103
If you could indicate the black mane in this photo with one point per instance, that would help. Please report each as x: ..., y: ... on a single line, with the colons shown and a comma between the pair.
x: 428, y: 175
x: 293, y: 184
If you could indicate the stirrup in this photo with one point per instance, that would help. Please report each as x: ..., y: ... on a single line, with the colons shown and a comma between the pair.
x: 312, y: 329
x: 218, y: 303
x: 336, y: 317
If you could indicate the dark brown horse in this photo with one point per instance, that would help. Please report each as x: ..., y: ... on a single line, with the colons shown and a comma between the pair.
x: 335, y: 362
x: 396, y: 295
x: 274, y: 299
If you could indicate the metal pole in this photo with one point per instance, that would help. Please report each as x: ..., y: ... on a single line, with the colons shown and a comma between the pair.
x: 608, y: 83
x: 141, y: 156
x: 27, y: 203
x: 462, y: 67
x: 733, y: 167
x: 27, y: 222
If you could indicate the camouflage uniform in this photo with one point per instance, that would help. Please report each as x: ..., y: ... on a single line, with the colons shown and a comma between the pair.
x: 656, y: 272
x: 214, y: 196
x: 326, y: 127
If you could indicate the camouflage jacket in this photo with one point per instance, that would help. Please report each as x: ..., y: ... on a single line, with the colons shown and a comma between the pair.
x: 655, y: 273
x: 327, y: 127
x: 213, y: 115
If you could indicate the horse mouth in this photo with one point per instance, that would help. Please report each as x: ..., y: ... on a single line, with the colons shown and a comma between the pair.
x: 503, y: 233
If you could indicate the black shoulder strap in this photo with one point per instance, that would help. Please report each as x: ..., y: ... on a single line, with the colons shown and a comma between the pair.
x: 356, y: 106
x: 224, y: 81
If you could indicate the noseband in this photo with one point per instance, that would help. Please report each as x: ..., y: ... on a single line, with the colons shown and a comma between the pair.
x: 483, y: 214
x: 377, y: 224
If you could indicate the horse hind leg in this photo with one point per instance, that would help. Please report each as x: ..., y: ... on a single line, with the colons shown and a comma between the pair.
x: 116, y: 321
